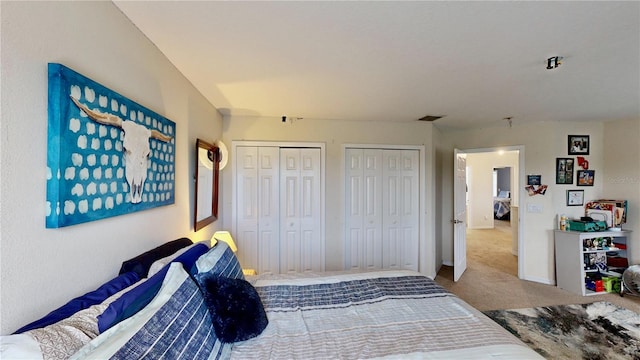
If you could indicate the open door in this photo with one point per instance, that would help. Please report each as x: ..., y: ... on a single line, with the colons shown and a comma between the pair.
x: 459, y: 214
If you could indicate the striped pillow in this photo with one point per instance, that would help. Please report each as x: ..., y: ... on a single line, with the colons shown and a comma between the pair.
x: 175, y: 325
x: 134, y: 300
x: 219, y: 260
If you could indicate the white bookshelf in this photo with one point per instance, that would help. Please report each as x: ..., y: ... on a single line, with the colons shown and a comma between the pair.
x: 570, y: 254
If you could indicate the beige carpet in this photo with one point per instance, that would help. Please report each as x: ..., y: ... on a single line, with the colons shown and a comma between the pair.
x: 491, y: 282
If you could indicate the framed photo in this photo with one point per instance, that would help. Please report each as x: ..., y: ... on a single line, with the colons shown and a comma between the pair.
x: 564, y: 170
x: 575, y: 197
x: 534, y: 179
x: 578, y: 145
x: 585, y: 177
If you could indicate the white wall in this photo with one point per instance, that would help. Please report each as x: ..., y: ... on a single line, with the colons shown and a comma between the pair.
x: 334, y: 134
x: 443, y: 209
x: 42, y: 268
x: 622, y: 173
x: 543, y: 142
x: 480, y: 167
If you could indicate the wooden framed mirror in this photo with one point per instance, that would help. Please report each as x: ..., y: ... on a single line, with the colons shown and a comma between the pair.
x: 206, y: 190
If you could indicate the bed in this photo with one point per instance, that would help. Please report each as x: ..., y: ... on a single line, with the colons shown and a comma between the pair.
x: 348, y: 315
x: 502, y: 206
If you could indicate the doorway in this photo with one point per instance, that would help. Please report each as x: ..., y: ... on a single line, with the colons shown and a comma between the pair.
x: 494, y: 240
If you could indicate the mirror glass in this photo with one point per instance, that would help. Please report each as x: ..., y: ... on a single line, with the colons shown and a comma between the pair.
x: 207, y: 177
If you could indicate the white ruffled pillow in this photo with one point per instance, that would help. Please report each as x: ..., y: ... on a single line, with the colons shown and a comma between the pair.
x: 19, y: 347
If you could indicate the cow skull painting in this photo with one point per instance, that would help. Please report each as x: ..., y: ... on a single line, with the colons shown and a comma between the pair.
x: 135, y: 147
x: 107, y: 155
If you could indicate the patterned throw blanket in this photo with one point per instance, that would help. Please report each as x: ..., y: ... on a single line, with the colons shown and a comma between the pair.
x: 600, y: 330
x: 391, y: 314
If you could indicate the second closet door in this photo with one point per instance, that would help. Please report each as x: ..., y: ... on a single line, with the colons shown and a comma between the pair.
x: 382, y: 209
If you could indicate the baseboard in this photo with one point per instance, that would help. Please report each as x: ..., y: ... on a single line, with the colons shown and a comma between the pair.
x: 539, y: 280
x: 447, y: 263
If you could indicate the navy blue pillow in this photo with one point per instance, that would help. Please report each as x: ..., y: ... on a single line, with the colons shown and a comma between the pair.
x: 82, y: 302
x: 235, y: 307
x: 138, y: 297
x: 141, y: 263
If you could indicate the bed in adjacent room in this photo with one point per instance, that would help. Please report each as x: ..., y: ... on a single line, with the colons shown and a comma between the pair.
x: 502, y: 206
x: 198, y: 305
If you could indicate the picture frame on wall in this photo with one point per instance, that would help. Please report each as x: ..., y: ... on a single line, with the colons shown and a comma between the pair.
x: 575, y: 197
x: 585, y: 177
x: 534, y: 179
x: 578, y: 145
x: 564, y: 170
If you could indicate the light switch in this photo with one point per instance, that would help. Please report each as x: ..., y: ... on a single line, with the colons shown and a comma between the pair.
x: 534, y: 208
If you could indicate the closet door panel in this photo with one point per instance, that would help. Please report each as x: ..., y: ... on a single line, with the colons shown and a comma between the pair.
x: 300, y: 215
x: 289, y: 214
x: 310, y: 211
x: 363, y: 248
x: 354, y: 223
x: 410, y: 209
x: 247, y: 203
x: 373, y: 204
x: 392, y: 207
x: 268, y: 214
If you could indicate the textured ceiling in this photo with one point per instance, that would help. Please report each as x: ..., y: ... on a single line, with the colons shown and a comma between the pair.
x: 473, y: 62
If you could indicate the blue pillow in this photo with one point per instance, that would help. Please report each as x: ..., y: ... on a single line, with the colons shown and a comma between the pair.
x: 175, y: 325
x: 83, y: 302
x: 143, y: 262
x: 235, y: 307
x: 138, y: 297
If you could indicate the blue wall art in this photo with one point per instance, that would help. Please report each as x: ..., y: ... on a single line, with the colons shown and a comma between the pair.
x: 107, y: 155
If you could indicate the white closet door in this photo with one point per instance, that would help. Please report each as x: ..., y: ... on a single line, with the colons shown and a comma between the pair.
x: 268, y: 210
x: 363, y: 248
x: 279, y: 212
x: 301, y: 246
x: 373, y: 208
x: 400, y: 206
x: 247, y: 206
x: 354, y: 222
x: 411, y: 208
x: 258, y: 217
x: 312, y: 258
x: 382, y: 209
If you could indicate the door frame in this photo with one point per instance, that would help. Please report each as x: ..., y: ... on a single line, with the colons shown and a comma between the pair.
x: 281, y: 144
x: 522, y: 194
x: 424, y: 248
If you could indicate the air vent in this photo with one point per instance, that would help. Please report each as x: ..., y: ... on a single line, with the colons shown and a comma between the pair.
x: 430, y: 118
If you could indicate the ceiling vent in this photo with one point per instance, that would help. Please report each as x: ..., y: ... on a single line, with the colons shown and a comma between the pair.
x: 430, y: 118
